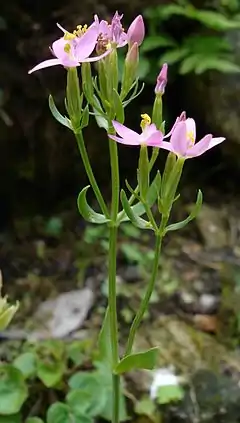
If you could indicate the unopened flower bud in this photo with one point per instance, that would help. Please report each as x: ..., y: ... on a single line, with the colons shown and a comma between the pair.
x: 161, y: 80
x: 130, y: 69
x: 136, y: 31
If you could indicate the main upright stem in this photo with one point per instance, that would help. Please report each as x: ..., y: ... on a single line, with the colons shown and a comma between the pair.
x: 112, y: 269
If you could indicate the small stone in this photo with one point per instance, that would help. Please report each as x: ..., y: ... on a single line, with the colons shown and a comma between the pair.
x: 208, y: 303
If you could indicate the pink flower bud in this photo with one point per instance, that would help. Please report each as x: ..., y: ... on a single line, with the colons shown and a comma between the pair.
x: 133, y: 54
x: 162, y: 80
x: 136, y: 31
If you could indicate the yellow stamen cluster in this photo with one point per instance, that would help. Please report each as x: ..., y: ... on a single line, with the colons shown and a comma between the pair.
x: 146, y: 120
x: 190, y: 137
x: 81, y: 29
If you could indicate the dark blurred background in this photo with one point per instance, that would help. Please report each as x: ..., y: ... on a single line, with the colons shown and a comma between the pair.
x: 39, y: 163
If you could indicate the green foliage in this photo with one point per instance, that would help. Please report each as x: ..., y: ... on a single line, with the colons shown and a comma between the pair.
x: 55, y: 365
x: 141, y: 360
x: 198, y: 50
x: 13, y: 390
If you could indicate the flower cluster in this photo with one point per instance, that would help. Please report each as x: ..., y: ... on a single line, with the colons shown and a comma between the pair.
x: 182, y: 137
x: 75, y: 48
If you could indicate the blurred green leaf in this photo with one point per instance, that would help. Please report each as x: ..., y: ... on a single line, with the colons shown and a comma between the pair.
x: 14, y: 418
x: 153, y: 42
x: 13, y: 390
x: 171, y: 393
x: 26, y: 363
x: 218, y: 64
x: 173, y: 56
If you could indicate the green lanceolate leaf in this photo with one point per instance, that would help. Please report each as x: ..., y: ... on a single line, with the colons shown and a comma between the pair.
x: 34, y: 420
x: 86, y: 211
x: 152, y: 195
x: 135, y: 219
x: 13, y: 390
x: 193, y: 214
x: 104, y: 345
x: 58, y: 116
x: 142, y: 360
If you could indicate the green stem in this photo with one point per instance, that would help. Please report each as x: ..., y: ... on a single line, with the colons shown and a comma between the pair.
x: 145, y: 301
x: 91, y: 177
x: 112, y: 293
x: 112, y: 266
x: 132, y: 198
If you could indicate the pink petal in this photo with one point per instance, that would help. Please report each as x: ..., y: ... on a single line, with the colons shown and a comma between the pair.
x: 67, y: 59
x: 125, y: 132
x: 180, y: 118
x: 155, y: 140
x: 191, y: 127
x: 149, y: 130
x: 104, y: 28
x: 179, y: 139
x: 167, y: 146
x: 86, y: 43
x: 136, y: 30
x: 46, y: 64
x: 200, y: 147
x: 124, y: 140
x: 96, y: 58
x: 215, y: 141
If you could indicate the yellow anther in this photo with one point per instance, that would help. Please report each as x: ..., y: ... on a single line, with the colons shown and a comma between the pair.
x: 69, y: 36
x: 81, y: 29
x: 190, y: 137
x: 67, y: 48
x: 146, y: 120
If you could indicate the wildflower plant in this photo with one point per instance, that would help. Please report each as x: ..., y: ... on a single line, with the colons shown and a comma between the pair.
x: 104, y: 98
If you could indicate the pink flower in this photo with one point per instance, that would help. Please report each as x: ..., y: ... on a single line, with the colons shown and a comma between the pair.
x: 162, y: 80
x: 182, y: 141
x: 73, y: 48
x: 150, y: 135
x: 136, y: 31
x: 112, y: 35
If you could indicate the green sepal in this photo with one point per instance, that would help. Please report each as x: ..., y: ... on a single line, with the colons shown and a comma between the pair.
x: 85, y: 117
x: 102, y: 78
x: 143, y: 171
x: 135, y: 219
x: 193, y: 214
x: 118, y: 107
x: 157, y: 111
x: 142, y: 360
x: 99, y: 114
x: 170, y: 163
x: 86, y: 211
x: 57, y: 115
x: 87, y: 82
x: 74, y: 98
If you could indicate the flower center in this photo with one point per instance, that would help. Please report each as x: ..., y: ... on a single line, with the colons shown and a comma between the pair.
x: 146, y: 121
